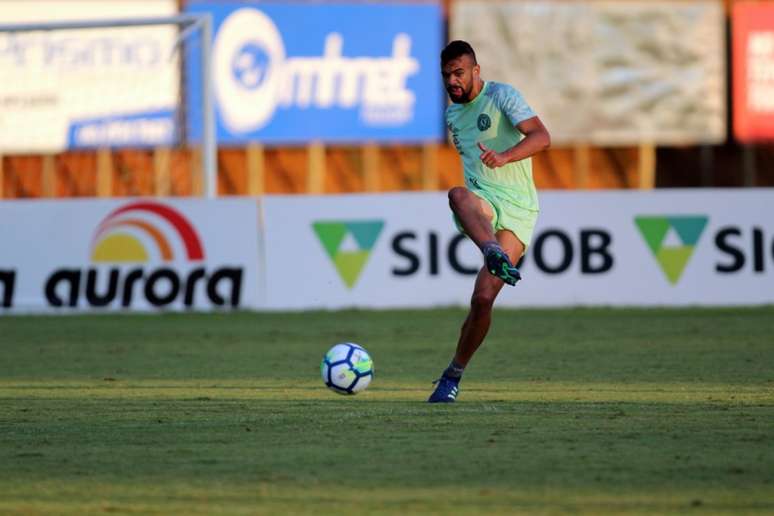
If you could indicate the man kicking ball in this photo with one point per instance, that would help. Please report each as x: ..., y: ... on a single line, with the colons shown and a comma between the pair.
x: 495, y: 133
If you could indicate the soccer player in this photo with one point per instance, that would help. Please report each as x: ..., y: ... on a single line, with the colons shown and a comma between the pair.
x: 495, y: 133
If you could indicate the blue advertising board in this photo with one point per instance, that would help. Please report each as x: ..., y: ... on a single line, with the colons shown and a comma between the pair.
x: 289, y: 73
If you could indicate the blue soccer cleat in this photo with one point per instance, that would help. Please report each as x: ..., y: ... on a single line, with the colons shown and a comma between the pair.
x: 446, y: 390
x: 498, y: 264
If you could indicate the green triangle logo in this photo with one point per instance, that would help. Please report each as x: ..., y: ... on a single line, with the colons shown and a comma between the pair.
x: 672, y: 258
x: 349, y: 262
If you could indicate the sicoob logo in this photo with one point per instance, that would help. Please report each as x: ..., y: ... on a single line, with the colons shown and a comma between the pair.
x: 672, y: 240
x: 348, y: 244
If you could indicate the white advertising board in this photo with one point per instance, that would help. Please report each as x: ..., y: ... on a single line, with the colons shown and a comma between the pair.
x: 86, y: 88
x: 619, y: 248
x: 131, y: 254
x: 615, y: 248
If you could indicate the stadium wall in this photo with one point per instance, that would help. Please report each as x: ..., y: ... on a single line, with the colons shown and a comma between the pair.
x: 615, y: 248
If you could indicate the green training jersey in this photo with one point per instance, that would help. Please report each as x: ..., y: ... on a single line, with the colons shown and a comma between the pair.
x: 490, y: 118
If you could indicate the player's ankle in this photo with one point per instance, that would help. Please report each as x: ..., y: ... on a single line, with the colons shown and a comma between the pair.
x: 490, y: 245
x: 454, y: 371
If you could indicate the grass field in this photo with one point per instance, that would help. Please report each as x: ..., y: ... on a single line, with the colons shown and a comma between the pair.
x: 577, y: 411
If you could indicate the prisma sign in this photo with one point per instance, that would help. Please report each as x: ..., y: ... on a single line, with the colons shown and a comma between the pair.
x: 288, y: 73
x: 87, y: 88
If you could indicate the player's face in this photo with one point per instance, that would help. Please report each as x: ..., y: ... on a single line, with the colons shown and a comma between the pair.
x: 459, y: 77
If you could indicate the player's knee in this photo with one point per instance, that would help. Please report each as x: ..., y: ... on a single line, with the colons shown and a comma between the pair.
x: 482, y: 301
x: 457, y: 196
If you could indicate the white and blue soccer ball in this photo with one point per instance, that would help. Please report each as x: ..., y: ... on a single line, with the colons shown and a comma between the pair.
x: 347, y: 368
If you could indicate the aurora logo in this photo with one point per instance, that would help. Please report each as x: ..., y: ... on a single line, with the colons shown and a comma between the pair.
x: 148, y: 252
x: 348, y: 243
x: 672, y: 240
x: 118, y: 238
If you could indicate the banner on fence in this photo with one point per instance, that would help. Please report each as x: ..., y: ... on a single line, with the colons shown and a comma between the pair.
x: 334, y: 72
x: 606, y: 72
x: 753, y: 57
x: 402, y: 250
x: 675, y: 248
x: 134, y: 255
x: 65, y: 89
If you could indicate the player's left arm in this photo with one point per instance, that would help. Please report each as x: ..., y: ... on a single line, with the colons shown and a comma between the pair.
x: 536, y: 139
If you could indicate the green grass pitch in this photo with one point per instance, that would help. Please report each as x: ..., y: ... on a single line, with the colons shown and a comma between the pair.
x: 588, y: 411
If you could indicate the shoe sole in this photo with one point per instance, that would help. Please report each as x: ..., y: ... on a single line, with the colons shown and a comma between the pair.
x: 507, y: 273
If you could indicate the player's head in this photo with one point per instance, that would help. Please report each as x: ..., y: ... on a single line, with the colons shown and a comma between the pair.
x: 460, y: 71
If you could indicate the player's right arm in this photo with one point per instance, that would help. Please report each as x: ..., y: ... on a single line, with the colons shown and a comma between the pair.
x: 512, y: 105
x: 536, y: 138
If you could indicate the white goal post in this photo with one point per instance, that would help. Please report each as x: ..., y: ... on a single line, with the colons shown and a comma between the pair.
x: 187, y: 24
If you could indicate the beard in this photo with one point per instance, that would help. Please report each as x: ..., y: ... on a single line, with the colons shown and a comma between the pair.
x: 461, y: 96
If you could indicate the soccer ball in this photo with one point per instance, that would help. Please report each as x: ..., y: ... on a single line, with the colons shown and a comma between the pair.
x: 347, y: 368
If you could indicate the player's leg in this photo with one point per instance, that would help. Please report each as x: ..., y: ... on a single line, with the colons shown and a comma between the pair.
x: 475, y: 215
x: 477, y: 322
x: 485, y: 291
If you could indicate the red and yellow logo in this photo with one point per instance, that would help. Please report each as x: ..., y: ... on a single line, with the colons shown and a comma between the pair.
x: 175, y: 275
x: 126, y: 234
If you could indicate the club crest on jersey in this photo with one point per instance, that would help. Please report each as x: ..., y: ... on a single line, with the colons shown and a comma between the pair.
x: 484, y: 122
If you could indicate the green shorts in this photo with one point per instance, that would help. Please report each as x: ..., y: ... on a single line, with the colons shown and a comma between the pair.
x: 507, y: 214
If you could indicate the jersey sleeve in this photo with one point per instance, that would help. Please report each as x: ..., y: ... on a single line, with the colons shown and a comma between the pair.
x: 512, y: 104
